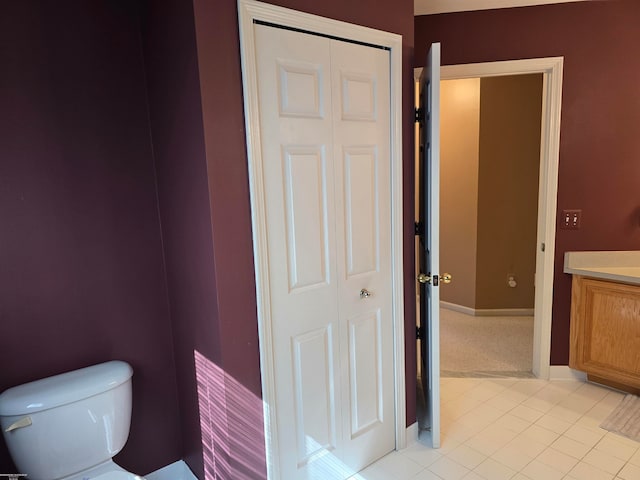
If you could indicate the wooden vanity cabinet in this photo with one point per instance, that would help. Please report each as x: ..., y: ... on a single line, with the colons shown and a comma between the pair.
x: 605, y: 332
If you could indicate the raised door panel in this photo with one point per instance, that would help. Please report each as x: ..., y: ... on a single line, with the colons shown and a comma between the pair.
x: 365, y: 372
x: 614, y: 326
x: 305, y: 185
x: 361, y: 210
x: 359, y: 96
x: 314, y: 384
x: 300, y: 89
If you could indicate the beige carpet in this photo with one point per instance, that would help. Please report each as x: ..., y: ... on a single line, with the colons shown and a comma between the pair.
x: 485, y: 346
x: 625, y: 419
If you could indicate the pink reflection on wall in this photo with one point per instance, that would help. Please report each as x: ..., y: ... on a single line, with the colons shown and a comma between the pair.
x: 231, y: 423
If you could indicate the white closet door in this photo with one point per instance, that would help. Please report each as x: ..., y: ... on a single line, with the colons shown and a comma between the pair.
x: 328, y: 234
x: 360, y: 92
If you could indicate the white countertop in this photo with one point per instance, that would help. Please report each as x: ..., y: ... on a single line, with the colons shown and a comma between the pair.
x: 617, y: 266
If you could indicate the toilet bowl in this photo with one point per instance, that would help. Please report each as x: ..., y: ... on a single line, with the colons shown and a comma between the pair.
x: 70, y: 426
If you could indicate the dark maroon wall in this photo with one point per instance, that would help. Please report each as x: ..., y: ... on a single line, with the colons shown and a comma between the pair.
x: 183, y: 196
x: 220, y: 76
x: 599, y: 169
x: 81, y: 272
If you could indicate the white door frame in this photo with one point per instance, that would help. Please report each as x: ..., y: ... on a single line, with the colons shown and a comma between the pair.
x: 552, y: 70
x: 248, y: 12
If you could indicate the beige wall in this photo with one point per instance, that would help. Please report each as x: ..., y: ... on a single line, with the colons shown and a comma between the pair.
x: 510, y: 111
x: 490, y: 157
x: 459, y: 157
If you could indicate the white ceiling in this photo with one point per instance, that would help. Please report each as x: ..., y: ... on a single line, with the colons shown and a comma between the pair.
x: 428, y: 7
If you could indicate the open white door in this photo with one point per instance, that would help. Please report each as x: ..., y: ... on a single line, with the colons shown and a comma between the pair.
x: 429, y: 276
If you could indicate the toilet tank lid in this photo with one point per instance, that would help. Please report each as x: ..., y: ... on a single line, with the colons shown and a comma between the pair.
x: 65, y: 388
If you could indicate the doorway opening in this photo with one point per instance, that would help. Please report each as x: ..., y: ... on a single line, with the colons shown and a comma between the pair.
x: 551, y: 71
x: 489, y: 169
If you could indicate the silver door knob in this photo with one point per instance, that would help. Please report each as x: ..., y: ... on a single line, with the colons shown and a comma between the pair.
x: 364, y: 293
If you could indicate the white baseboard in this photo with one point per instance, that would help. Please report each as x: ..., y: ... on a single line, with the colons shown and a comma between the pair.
x: 488, y: 312
x: 176, y: 471
x: 563, y: 372
x: 412, y: 434
x: 458, y: 308
x: 505, y: 312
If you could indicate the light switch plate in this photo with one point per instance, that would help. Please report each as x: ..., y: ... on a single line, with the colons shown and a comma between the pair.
x: 571, y: 219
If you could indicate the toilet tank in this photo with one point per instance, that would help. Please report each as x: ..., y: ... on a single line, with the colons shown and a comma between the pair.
x: 67, y: 423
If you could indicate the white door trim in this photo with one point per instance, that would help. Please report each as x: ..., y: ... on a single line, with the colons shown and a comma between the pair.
x: 430, y: 7
x: 248, y: 12
x: 552, y: 70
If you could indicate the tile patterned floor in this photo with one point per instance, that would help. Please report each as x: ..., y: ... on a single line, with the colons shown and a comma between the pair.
x: 518, y: 429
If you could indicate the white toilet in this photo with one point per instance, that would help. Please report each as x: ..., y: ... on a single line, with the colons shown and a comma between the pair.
x: 69, y: 426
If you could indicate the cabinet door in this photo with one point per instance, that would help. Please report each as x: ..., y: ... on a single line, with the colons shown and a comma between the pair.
x: 605, y: 330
